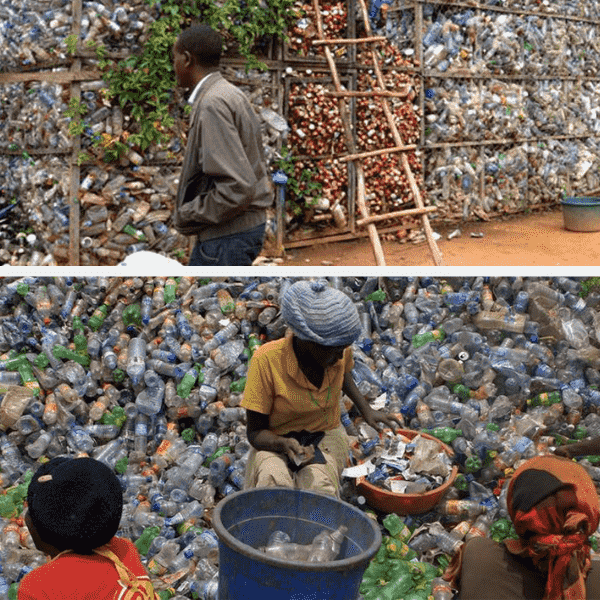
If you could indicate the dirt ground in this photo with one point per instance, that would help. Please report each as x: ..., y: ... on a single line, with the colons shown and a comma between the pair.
x: 537, y: 239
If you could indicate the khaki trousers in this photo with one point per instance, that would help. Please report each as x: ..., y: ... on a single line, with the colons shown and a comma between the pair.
x: 269, y: 469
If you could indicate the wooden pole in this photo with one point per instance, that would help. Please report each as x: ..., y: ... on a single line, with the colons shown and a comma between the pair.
x: 437, y: 255
x: 399, y: 213
x: 360, y: 175
x: 377, y: 152
x: 74, y: 214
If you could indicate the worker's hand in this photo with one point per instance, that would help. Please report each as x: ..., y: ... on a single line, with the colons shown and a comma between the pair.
x: 375, y: 417
x: 297, y: 453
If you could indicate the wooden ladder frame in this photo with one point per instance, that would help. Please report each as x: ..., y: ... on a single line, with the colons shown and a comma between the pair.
x: 355, y: 157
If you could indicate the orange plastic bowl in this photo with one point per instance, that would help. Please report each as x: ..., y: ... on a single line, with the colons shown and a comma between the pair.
x: 407, y: 504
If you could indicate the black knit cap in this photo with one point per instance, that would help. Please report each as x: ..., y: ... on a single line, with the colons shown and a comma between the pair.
x: 75, y: 503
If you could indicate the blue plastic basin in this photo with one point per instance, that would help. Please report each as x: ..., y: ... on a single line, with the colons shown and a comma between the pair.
x: 244, y: 521
x: 581, y: 213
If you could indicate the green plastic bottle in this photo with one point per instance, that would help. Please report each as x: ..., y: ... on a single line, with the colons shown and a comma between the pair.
x: 184, y: 387
x: 435, y: 335
x: 121, y: 465
x: 132, y: 315
x: 13, y: 363
x: 131, y: 230
x: 237, y: 386
x: 80, y: 342
x: 118, y: 375
x: 445, y: 434
x: 28, y: 378
x: 98, y: 316
x: 77, y: 324
x: 376, y: 296
x: 397, y: 527
x: 41, y: 361
x: 472, y: 464
x: 188, y: 434
x: 66, y: 353
x: 253, y: 343
x: 170, y: 292
x: 462, y: 391
x: 544, y: 399
x: 13, y: 591
x: 461, y: 483
x: 116, y: 417
x: 8, y: 508
x: 399, y: 585
x: 145, y: 540
x: 502, y: 529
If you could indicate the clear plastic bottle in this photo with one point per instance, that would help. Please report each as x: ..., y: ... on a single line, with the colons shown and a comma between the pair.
x: 480, y: 527
x: 79, y: 439
x: 279, y: 545
x: 326, y: 545
x: 136, y: 359
x: 149, y: 401
x: 441, y: 589
x: 219, y: 468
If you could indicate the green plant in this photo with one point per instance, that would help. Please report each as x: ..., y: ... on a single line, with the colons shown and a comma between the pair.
x: 589, y: 285
x: 75, y: 111
x: 71, y: 42
x: 142, y: 84
x: 302, y: 188
x: 245, y: 23
x: 83, y: 157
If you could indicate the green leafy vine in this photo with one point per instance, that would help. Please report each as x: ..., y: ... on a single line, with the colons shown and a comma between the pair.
x: 300, y: 186
x: 142, y: 84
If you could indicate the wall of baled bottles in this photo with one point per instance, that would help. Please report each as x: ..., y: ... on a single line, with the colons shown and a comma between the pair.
x: 506, y: 96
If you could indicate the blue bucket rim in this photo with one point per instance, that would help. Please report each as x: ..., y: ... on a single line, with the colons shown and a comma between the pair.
x: 580, y: 200
x: 254, y: 554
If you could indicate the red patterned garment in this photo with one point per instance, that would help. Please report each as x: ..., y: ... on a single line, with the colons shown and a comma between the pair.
x: 113, y: 572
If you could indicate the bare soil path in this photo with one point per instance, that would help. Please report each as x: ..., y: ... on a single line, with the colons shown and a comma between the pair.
x: 538, y: 239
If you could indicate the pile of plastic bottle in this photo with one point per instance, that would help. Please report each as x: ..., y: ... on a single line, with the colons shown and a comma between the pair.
x: 146, y: 374
x: 461, y: 42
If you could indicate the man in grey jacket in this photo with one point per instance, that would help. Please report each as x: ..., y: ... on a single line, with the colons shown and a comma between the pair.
x: 224, y: 188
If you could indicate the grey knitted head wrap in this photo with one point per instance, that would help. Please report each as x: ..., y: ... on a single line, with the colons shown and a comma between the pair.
x: 319, y: 313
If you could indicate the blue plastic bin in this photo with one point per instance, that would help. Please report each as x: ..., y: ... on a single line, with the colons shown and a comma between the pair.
x: 581, y: 213
x: 244, y: 521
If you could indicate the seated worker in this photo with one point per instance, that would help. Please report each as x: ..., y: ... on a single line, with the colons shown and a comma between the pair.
x: 293, y: 390
x: 553, y: 505
x: 74, y: 507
